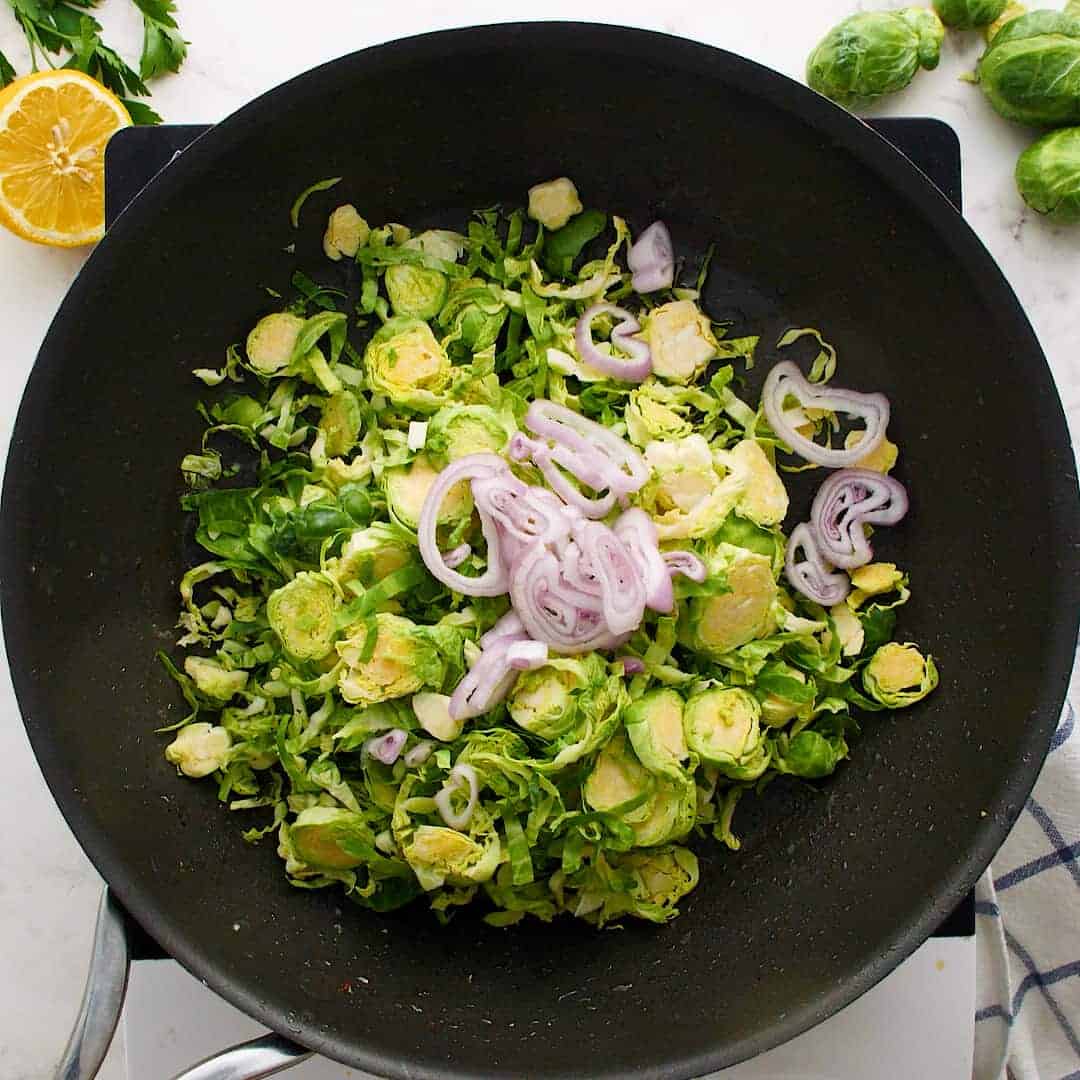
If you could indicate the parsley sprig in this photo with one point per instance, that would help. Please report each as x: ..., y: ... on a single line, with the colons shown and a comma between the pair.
x: 54, y: 27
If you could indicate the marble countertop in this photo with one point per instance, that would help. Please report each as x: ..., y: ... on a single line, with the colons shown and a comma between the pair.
x: 48, y: 891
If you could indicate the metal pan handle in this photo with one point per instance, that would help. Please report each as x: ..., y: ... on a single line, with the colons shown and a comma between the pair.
x: 103, y: 998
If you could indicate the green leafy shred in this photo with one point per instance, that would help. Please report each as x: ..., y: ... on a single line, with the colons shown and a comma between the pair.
x: 297, y: 206
x: 313, y: 626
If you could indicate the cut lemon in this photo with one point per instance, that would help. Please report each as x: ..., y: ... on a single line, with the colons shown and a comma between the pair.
x: 53, y: 129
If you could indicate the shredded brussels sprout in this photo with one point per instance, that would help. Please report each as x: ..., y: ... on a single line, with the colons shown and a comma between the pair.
x: 321, y: 655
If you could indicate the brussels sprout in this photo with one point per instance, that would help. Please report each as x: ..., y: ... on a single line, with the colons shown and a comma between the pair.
x: 655, y: 725
x: 874, y: 53
x: 473, y: 313
x: 457, y: 430
x: 881, y: 459
x: 671, y: 809
x: 1048, y: 175
x: 848, y: 629
x: 371, y: 554
x: 407, y: 486
x: 763, y: 497
x: 330, y: 838
x: 1011, y: 11
x: 653, y: 411
x: 406, y: 363
x: 873, y: 579
x: 554, y: 203
x: 809, y: 754
x: 211, y: 679
x: 777, y: 710
x: 619, y: 783
x: 199, y: 749
x: 439, y: 244
x: 723, y: 726
x: 405, y: 658
x: 270, y: 344
x: 715, y: 625
x: 340, y: 423
x: 687, y: 496
x: 416, y: 291
x: 646, y: 884
x: 346, y: 233
x: 899, y: 675
x: 1031, y: 70
x: 439, y: 855
x: 681, y: 340
x: 968, y: 14
x: 302, y: 614
x: 433, y: 713
x: 571, y: 702
x: 543, y: 701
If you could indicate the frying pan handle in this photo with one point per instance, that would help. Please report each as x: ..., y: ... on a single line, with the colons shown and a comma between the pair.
x: 249, y: 1061
x: 103, y: 998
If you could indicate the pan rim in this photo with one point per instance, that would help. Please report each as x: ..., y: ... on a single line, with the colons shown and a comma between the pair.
x: 849, y: 135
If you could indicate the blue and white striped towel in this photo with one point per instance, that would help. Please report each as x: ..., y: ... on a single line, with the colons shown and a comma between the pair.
x: 1027, y: 1023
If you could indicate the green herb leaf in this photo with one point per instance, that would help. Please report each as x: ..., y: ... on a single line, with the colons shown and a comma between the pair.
x: 163, y: 47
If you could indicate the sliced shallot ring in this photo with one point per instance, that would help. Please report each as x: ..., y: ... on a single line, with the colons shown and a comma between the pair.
x: 786, y: 379
x: 636, y: 366
x: 845, y: 502
x: 458, y: 775
x: 493, y: 582
x: 652, y: 260
x: 813, y: 576
x: 638, y: 533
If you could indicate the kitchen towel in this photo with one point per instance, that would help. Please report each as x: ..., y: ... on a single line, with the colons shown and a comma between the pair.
x: 1027, y: 906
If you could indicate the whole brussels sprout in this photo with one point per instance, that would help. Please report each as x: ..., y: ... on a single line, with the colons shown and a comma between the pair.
x: 405, y: 362
x: 302, y: 613
x: 874, y: 53
x: 809, y: 754
x: 1012, y: 11
x: 1031, y: 70
x: 968, y: 14
x: 899, y: 675
x: 1048, y: 175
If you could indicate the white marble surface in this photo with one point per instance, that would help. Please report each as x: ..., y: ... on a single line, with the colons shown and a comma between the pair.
x: 48, y: 892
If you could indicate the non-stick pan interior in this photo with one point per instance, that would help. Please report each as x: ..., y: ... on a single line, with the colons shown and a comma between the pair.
x: 815, y: 222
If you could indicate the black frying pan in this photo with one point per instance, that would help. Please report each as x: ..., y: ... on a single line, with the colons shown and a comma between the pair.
x: 816, y: 221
